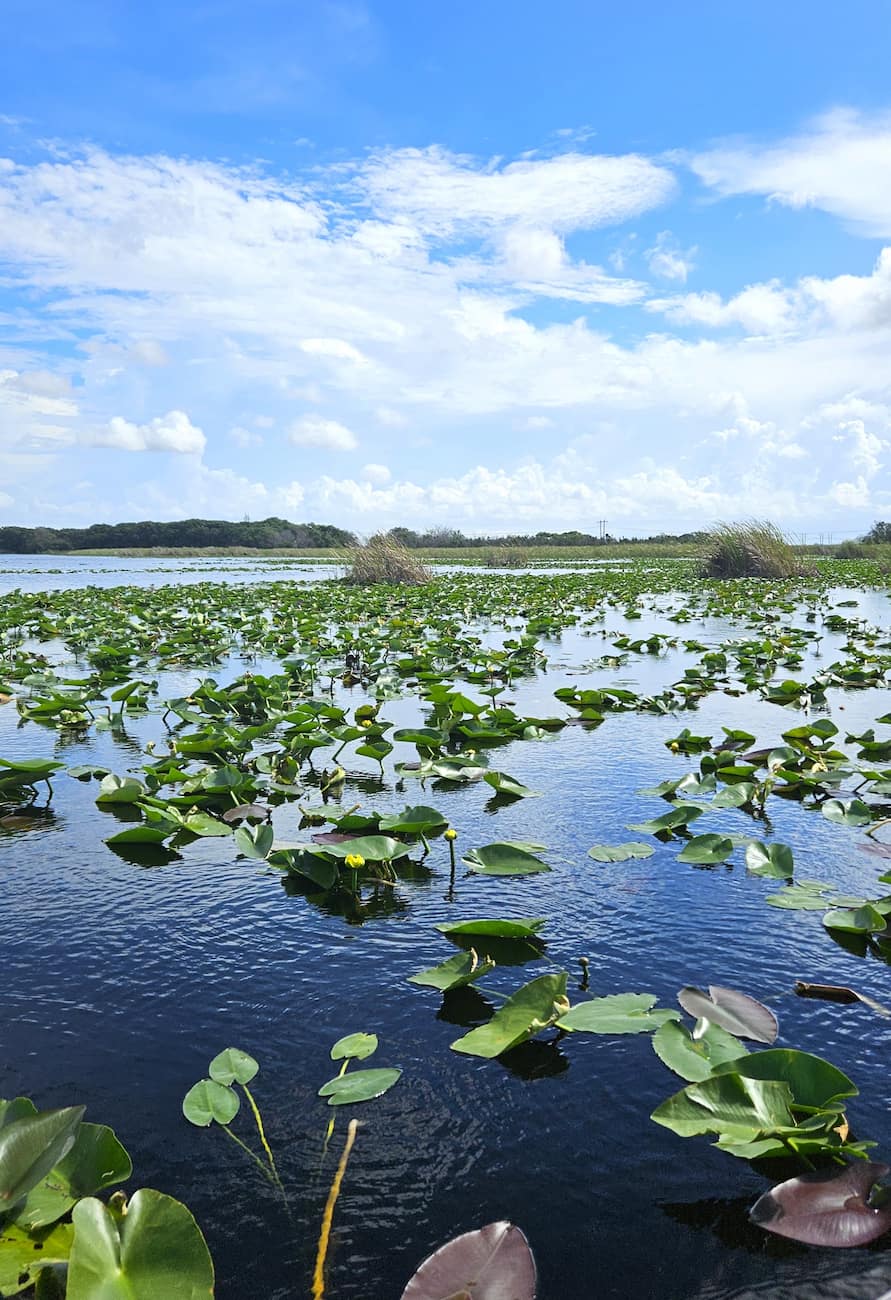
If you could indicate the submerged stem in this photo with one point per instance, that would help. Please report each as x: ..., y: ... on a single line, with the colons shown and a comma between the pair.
x: 318, y: 1277
x: 266, y: 1147
x: 244, y: 1146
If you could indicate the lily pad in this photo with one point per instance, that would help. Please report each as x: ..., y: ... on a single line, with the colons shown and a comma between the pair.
x: 740, y: 1015
x: 772, y: 860
x: 454, y: 972
x: 358, y: 1085
x: 533, y: 1007
x: 155, y: 1249
x: 233, y: 1066
x: 492, y: 1263
x: 706, y: 850
x: 354, y: 1047
x: 620, y: 852
x: 525, y: 927
x: 208, y: 1101
x: 827, y: 1209
x: 503, y: 860
x: 619, y: 1013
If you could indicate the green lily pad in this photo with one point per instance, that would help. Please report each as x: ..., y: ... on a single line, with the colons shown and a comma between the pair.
x: 354, y: 1047
x: 454, y: 972
x: 358, y: 1085
x: 618, y: 1013
x: 507, y: 786
x: 156, y: 1249
x: 525, y: 927
x: 695, y: 1058
x: 208, y: 1101
x: 233, y: 1066
x: 772, y: 860
x: 620, y: 852
x: 534, y: 1007
x: 706, y: 850
x: 503, y: 860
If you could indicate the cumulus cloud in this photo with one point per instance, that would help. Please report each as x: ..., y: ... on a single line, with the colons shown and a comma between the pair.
x: 330, y: 435
x: 440, y: 192
x: 172, y: 432
x: 667, y: 260
x: 377, y: 474
x: 759, y: 309
x: 245, y: 437
x: 841, y: 164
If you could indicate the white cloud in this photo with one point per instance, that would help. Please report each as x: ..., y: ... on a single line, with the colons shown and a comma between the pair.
x: 841, y: 164
x: 390, y: 418
x: 337, y: 348
x: 440, y: 192
x: 314, y: 431
x: 245, y: 437
x: 667, y: 260
x: 759, y: 309
x: 172, y: 432
x: 377, y: 474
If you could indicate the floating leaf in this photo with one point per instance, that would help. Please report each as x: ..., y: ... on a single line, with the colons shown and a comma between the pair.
x: 856, y: 920
x: 620, y: 852
x: 414, y: 821
x: 233, y: 1066
x: 96, y: 1160
x: 853, y: 812
x: 678, y: 816
x: 373, y: 848
x: 814, y: 1083
x: 730, y: 1105
x: 31, y: 1146
x: 619, y: 1013
x: 801, y: 897
x: 706, y: 850
x: 507, y: 786
x: 155, y: 1249
x: 463, y: 968
x: 532, y: 1008
x: 23, y: 1255
x: 207, y: 1101
x: 694, y: 1057
x: 120, y: 789
x: 826, y: 1209
x: 525, y: 927
x: 354, y: 1047
x: 740, y: 1015
x: 503, y: 860
x: 358, y: 1085
x: 772, y: 860
x: 493, y: 1263
x: 255, y: 841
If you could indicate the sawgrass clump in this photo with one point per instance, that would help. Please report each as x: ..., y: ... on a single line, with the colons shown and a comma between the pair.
x: 384, y: 560
x: 754, y: 548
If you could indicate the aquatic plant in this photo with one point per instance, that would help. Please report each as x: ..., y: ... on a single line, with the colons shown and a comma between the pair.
x: 384, y: 560
x: 57, y: 1235
x: 752, y: 549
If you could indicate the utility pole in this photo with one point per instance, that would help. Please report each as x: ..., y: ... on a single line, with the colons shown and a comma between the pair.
x: 602, y: 523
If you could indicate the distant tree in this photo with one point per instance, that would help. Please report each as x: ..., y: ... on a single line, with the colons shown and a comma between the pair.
x: 880, y: 532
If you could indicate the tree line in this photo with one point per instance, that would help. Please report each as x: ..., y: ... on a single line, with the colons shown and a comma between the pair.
x: 261, y: 534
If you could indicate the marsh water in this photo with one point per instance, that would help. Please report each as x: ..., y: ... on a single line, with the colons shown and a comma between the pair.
x: 120, y: 982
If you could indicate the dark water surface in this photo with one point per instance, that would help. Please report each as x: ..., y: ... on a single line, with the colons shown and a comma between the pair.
x: 119, y: 983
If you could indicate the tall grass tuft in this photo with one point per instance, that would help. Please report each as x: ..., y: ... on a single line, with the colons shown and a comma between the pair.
x: 382, y: 559
x: 754, y: 548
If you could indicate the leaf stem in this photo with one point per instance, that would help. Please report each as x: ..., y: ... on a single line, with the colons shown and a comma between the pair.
x: 318, y: 1278
x: 266, y: 1147
x: 244, y: 1146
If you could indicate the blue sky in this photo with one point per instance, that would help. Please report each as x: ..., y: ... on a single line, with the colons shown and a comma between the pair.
x: 497, y: 266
